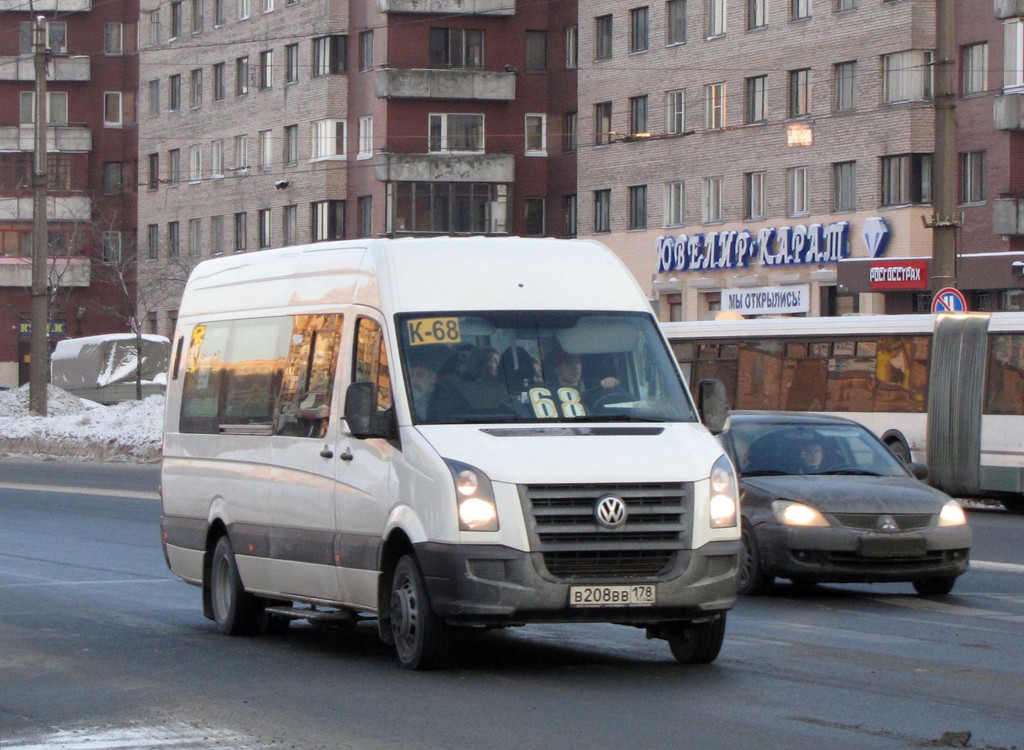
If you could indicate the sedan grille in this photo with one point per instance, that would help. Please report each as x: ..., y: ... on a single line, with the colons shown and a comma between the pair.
x: 563, y: 527
x: 869, y: 521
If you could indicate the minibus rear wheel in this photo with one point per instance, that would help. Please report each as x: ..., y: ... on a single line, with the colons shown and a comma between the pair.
x: 235, y: 611
x: 421, y: 637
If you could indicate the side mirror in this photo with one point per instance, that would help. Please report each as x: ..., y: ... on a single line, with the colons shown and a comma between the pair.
x: 712, y: 404
x: 360, y: 406
x: 918, y: 470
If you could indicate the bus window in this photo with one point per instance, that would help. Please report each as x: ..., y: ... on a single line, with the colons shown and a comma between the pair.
x: 1004, y: 389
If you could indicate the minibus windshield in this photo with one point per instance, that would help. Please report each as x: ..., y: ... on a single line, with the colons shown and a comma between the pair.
x: 539, y: 367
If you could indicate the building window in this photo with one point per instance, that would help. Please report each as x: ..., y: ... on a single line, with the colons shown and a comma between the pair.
x: 453, y: 133
x: 716, y: 17
x: 175, y: 20
x: 197, y: 16
x: 56, y: 107
x: 367, y: 137
x: 153, y: 241
x: 195, y: 237
x: 675, y: 24
x: 219, y: 12
x: 711, y: 205
x: 536, y: 135
x: 329, y: 53
x: 264, y: 233
x: 536, y: 50
x: 637, y: 207
x: 174, y: 163
x: 56, y: 37
x: 195, y: 163
x: 603, y: 37
x: 844, y: 78
x: 456, y: 48
x: 907, y: 180
x: 268, y: 6
x: 196, y: 89
x: 757, y: 100
x: 366, y: 50
x: 448, y: 207
x: 974, y: 64
x: 602, y: 210
x: 755, y: 183
x: 972, y: 177
x: 291, y: 145
x: 907, y: 76
x: 154, y: 171
x: 242, y: 153
x: 800, y: 92
x: 244, y: 9
x: 364, y: 215
x: 266, y: 69
x: 216, y: 235
x: 154, y: 27
x: 328, y: 220
x: 1013, y: 53
x: 242, y: 76
x: 844, y: 186
x: 603, y: 123
x: 675, y: 111
x: 154, y: 97
x: 798, y: 191
x: 112, y: 181
x: 265, y: 145
x: 638, y: 115
x: 112, y: 114
x: 217, y: 158
x: 845, y: 5
x: 290, y: 225
x: 800, y: 9
x: 113, y: 38
x: 240, y: 231
x: 328, y: 138
x: 571, y: 138
x: 570, y: 215
x: 111, y: 247
x: 714, y: 98
x: 638, y: 29
x: 572, y: 48
x: 218, y: 82
x: 173, y: 239
x: 757, y: 14
x: 675, y: 204
x: 174, y: 95
x: 533, y: 224
x: 291, y: 63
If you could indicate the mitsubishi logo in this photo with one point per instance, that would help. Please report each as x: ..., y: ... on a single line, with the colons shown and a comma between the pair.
x: 887, y: 523
x: 610, y: 512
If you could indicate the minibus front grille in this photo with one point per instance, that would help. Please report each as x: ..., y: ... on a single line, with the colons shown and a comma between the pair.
x: 563, y: 526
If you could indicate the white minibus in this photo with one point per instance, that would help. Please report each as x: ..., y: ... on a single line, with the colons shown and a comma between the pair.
x: 442, y: 433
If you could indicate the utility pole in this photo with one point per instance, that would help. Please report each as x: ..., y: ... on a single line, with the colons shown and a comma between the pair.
x: 39, y: 363
x: 943, y: 223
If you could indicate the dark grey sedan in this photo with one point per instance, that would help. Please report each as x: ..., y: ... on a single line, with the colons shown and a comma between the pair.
x: 823, y: 500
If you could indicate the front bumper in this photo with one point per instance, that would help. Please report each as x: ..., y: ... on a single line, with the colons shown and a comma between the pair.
x: 495, y: 585
x: 842, y: 555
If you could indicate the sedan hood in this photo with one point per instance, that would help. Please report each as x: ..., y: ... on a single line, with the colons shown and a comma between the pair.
x: 835, y: 493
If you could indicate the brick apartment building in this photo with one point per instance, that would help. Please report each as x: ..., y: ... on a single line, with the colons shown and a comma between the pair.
x: 785, y: 147
x: 275, y: 122
x: 91, y: 167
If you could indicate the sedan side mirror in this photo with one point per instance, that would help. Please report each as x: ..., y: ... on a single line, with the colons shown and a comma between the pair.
x: 918, y: 470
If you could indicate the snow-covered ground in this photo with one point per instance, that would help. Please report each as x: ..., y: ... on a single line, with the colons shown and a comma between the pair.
x: 78, y: 429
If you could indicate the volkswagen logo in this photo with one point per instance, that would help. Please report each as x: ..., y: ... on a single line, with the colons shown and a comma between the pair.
x: 610, y: 512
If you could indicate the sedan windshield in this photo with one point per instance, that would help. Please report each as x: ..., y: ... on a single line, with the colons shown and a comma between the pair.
x: 766, y: 448
x: 539, y: 367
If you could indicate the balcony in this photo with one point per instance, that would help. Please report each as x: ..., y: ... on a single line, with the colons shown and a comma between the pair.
x: 1008, y: 8
x: 428, y: 83
x: 460, y: 7
x: 64, y: 272
x: 1008, y: 111
x: 70, y: 208
x: 1008, y: 217
x: 445, y: 168
x: 22, y: 68
x: 67, y: 138
x: 58, y: 6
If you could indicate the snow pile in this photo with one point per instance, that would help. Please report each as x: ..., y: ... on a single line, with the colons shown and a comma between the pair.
x: 75, y: 428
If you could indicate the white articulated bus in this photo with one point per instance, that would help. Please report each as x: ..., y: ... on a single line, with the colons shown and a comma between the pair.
x: 947, y: 389
x: 478, y: 432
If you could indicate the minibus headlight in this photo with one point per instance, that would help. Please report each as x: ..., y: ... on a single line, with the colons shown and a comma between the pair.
x: 475, y: 498
x: 952, y: 514
x: 789, y: 513
x: 723, y: 505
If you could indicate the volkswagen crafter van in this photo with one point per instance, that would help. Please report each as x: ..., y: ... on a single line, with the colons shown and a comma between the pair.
x: 441, y: 433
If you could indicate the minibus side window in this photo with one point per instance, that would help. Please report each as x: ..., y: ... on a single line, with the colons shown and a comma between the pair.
x: 371, y: 361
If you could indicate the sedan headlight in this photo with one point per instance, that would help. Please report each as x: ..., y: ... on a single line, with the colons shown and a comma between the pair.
x: 723, y: 504
x: 952, y: 514
x: 475, y: 498
x: 789, y: 513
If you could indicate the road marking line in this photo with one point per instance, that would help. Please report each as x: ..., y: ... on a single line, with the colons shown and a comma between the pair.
x: 98, y: 491
x: 997, y: 567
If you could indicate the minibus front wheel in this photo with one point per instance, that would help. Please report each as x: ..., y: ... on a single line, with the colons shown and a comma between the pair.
x: 235, y: 611
x: 421, y: 637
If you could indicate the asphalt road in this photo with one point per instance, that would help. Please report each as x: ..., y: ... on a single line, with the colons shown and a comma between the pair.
x: 101, y: 647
